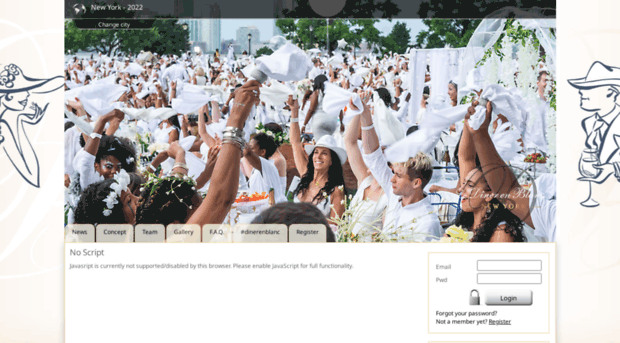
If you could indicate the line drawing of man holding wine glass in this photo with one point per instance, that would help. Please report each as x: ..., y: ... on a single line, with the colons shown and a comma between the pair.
x: 599, y: 91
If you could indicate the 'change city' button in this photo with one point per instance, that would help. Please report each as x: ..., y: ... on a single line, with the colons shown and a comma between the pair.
x: 508, y: 297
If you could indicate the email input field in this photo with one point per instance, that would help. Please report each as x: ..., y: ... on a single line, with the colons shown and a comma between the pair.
x: 510, y: 265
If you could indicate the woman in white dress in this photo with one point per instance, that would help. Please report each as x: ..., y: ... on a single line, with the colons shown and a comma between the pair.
x: 370, y: 201
x: 277, y: 158
x: 322, y: 123
x: 321, y: 168
x: 200, y: 79
x: 168, y: 131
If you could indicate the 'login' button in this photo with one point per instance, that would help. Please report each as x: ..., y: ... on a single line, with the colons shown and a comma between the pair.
x: 508, y: 297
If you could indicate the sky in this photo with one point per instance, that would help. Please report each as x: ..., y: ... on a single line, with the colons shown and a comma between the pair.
x: 265, y: 26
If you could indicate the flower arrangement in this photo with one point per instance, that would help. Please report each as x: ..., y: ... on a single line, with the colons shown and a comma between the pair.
x: 498, y: 62
x: 154, y: 182
x: 122, y: 184
x: 243, y: 197
x: 158, y: 147
x: 468, y: 99
x: 279, y: 137
x: 302, y: 87
x: 455, y: 234
x: 144, y: 139
x: 371, y: 232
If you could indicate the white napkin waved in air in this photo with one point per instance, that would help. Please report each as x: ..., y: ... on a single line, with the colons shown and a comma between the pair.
x: 83, y: 126
x: 106, y: 92
x: 133, y: 69
x: 96, y: 107
x: 388, y: 128
x: 427, y: 136
x: 275, y: 94
x: 215, y: 90
x: 190, y: 102
x: 289, y: 63
x: 337, y: 98
x: 148, y: 114
x: 507, y: 102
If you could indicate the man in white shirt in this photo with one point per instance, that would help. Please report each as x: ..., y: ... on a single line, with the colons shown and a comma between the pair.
x: 175, y: 72
x: 535, y: 131
x: 410, y: 215
x: 263, y: 174
x: 316, y: 70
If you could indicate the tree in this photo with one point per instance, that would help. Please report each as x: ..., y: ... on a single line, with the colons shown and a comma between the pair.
x: 166, y: 36
x: 442, y: 32
x: 351, y: 9
x: 354, y: 31
x: 466, y: 9
x: 398, y: 40
x: 263, y: 51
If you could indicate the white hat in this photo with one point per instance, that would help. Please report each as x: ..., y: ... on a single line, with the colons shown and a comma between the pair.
x: 329, y: 142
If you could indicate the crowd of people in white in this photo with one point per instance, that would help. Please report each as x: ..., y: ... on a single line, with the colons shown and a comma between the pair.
x: 175, y: 139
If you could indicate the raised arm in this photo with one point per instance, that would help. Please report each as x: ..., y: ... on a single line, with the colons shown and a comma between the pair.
x: 314, y: 103
x: 92, y: 144
x: 373, y: 156
x: 299, y: 154
x: 215, y: 110
x: 206, y: 174
x: 252, y: 159
x: 173, y: 136
x: 370, y: 140
x: 176, y: 151
x: 467, y: 156
x: 202, y: 127
x: 225, y: 180
x: 497, y: 174
x: 360, y: 170
x: 185, y: 126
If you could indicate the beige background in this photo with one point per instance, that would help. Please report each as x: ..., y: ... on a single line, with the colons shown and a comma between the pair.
x: 588, y: 252
x: 31, y: 219
x: 31, y: 231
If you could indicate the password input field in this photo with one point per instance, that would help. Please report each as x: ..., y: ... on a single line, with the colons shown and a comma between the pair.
x: 509, y: 265
x: 509, y: 279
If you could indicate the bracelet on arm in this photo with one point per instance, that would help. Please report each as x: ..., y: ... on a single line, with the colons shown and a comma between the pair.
x: 294, y: 120
x: 233, y: 132
x: 95, y: 135
x: 152, y: 168
x: 233, y: 135
x: 234, y: 141
x: 180, y: 165
x: 366, y: 128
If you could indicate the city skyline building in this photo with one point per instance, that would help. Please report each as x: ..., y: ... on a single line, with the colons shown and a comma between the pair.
x: 242, y: 38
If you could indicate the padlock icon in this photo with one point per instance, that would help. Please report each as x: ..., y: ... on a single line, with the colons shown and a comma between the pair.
x: 474, y: 300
